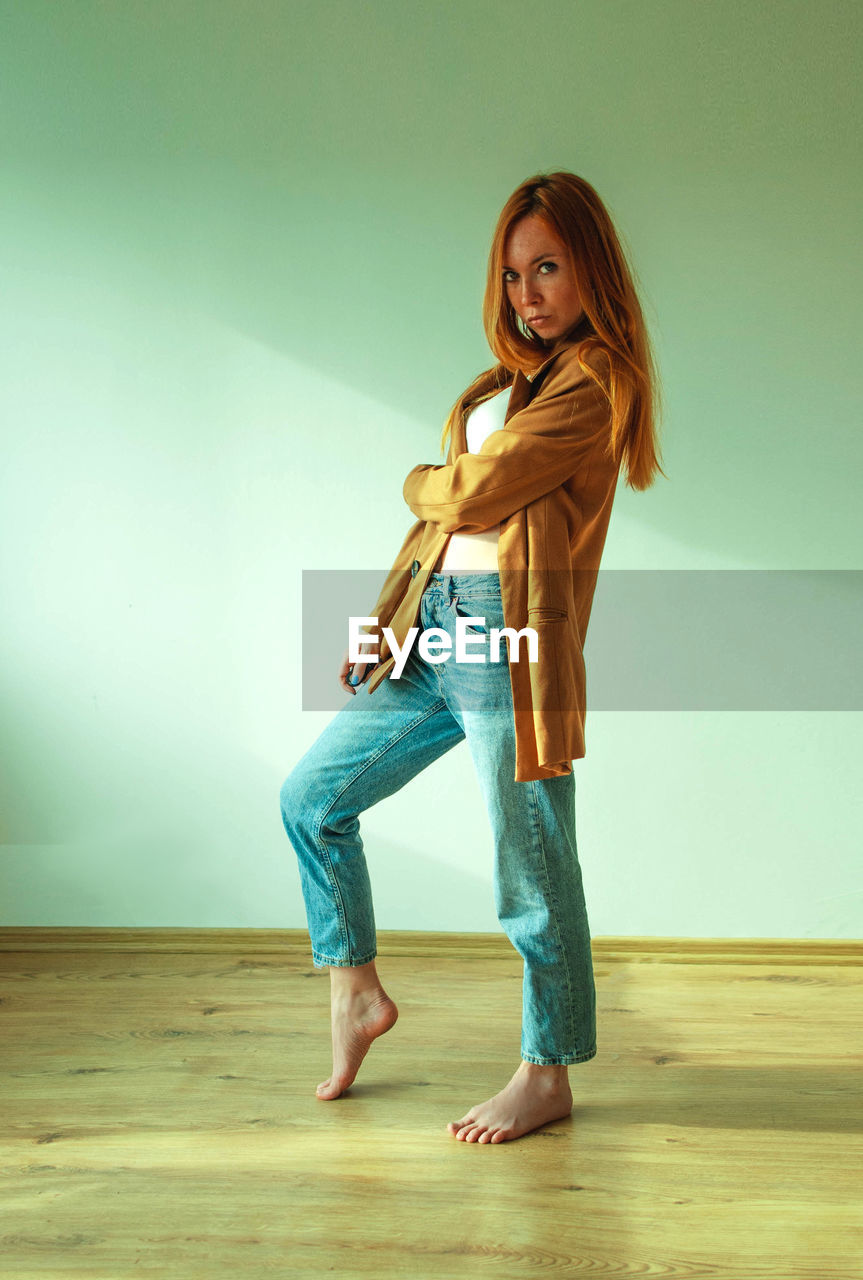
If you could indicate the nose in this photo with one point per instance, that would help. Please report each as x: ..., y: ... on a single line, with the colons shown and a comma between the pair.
x: 529, y: 293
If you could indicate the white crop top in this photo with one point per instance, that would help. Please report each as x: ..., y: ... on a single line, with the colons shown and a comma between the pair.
x: 478, y: 551
x: 485, y: 418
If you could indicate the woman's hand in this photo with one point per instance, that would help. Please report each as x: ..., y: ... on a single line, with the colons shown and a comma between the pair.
x: 359, y: 670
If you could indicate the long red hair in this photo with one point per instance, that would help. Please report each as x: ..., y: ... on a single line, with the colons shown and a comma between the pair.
x: 613, y: 344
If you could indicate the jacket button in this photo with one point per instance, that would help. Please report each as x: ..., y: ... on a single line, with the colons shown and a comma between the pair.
x: 415, y: 568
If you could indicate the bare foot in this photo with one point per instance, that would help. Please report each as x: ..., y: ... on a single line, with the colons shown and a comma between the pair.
x: 358, y: 1018
x: 534, y: 1096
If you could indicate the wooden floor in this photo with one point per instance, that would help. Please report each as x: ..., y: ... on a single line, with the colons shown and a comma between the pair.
x: 159, y: 1114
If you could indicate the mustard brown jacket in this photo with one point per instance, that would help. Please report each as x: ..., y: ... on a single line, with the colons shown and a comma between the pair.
x: 546, y: 476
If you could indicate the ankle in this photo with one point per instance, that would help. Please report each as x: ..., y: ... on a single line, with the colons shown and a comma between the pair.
x: 351, y: 980
x: 556, y: 1073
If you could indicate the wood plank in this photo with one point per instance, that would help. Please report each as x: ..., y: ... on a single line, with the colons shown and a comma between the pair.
x: 160, y: 1118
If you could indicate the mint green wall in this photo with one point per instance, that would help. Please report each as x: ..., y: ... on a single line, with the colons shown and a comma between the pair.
x: 240, y: 242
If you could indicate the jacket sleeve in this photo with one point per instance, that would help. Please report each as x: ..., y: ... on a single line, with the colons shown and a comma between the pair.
x: 541, y: 446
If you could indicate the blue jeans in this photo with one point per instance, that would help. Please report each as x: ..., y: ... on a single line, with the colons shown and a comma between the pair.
x: 376, y: 743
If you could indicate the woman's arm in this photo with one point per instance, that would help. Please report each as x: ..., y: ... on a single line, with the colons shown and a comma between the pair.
x: 541, y: 446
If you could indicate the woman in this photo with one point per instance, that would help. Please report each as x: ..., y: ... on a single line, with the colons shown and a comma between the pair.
x: 505, y: 551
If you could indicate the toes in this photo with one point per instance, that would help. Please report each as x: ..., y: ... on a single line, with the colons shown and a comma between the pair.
x: 474, y: 1134
x: 487, y: 1136
x: 330, y: 1089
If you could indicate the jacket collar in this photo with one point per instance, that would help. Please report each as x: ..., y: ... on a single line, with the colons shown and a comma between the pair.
x: 561, y: 345
x: 522, y: 387
x: 564, y: 343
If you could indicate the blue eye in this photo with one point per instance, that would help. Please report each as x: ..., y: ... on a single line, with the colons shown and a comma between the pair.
x: 507, y: 274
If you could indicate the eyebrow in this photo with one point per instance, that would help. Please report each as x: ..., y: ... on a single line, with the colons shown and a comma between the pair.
x: 541, y: 258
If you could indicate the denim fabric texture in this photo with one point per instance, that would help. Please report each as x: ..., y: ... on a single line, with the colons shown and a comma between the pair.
x: 376, y: 743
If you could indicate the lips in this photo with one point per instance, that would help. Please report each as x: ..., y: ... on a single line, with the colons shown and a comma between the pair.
x: 536, y: 319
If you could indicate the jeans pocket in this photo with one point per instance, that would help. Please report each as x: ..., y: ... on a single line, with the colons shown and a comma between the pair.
x: 486, y: 610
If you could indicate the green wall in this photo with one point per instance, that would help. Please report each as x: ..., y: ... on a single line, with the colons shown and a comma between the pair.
x: 242, y: 250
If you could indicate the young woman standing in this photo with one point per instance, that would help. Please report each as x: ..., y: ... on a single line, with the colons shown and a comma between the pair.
x: 508, y: 539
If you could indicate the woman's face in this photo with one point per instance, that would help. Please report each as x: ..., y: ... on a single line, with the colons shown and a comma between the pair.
x: 538, y: 279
